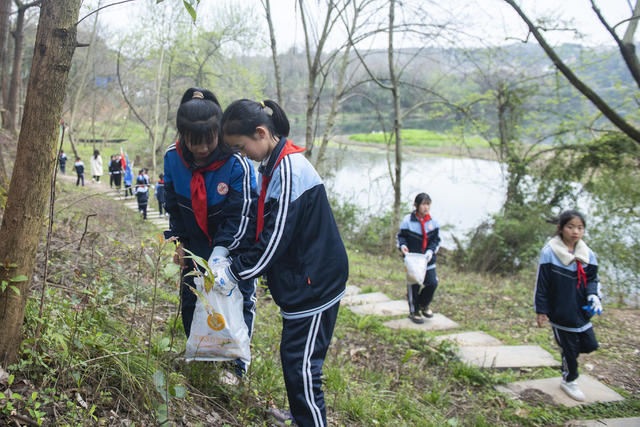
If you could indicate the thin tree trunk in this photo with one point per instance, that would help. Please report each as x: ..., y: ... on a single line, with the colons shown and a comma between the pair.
x: 274, y: 52
x: 397, y: 121
x: 29, y: 190
x: 156, y: 113
x: 5, y: 10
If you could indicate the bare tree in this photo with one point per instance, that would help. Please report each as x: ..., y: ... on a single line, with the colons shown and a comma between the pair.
x: 11, y: 109
x: 627, y: 50
x: 5, y: 10
x: 274, y: 51
x: 37, y: 145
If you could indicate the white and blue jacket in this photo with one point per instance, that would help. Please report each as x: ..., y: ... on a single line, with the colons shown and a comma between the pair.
x: 558, y: 294
x: 231, y: 199
x: 410, y: 235
x: 299, y: 248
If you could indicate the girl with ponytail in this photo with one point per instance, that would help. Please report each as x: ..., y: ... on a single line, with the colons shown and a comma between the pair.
x: 296, y: 245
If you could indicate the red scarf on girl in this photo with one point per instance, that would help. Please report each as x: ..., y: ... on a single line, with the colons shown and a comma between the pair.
x: 199, y: 191
x: 423, y: 221
x: 288, y: 148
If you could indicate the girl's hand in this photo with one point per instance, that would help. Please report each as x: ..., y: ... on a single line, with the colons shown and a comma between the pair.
x: 178, y: 256
x: 404, y: 250
x: 541, y: 319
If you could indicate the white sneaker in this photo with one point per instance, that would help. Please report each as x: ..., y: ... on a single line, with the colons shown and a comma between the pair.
x: 573, y: 390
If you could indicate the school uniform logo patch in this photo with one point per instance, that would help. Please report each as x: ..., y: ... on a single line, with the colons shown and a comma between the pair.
x: 223, y: 188
x: 430, y: 227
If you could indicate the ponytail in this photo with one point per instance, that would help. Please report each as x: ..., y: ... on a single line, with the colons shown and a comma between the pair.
x: 243, y: 116
x: 198, y: 118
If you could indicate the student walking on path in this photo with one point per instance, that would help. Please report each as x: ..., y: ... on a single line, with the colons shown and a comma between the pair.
x: 115, y: 169
x: 567, y: 295
x: 142, y: 195
x: 419, y: 233
x: 96, y: 166
x: 79, y: 167
x: 62, y: 159
x: 210, y: 194
x: 296, y: 244
x: 159, y: 193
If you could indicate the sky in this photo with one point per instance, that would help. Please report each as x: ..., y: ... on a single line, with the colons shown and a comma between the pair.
x: 484, y: 21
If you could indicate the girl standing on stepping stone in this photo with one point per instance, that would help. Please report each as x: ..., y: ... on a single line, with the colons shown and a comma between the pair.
x: 210, y: 194
x: 567, y: 294
x: 419, y: 233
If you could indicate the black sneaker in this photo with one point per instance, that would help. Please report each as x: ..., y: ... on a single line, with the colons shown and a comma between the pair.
x: 281, y: 417
x: 427, y: 312
x: 416, y: 318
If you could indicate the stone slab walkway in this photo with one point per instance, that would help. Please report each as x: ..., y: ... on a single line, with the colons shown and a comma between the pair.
x: 437, y: 323
x: 474, y: 338
x: 389, y: 308
x: 506, y: 356
x: 593, y: 389
x: 368, y: 298
x: 606, y: 422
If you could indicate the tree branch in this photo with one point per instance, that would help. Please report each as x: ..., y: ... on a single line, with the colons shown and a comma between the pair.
x: 103, y: 7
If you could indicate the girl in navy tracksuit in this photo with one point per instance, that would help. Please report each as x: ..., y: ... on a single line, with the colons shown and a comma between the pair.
x: 209, y: 195
x: 142, y: 194
x: 419, y: 233
x: 567, y: 295
x: 297, y: 246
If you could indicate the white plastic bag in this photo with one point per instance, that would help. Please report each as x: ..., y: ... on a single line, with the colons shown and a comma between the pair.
x: 416, y: 266
x: 218, y: 330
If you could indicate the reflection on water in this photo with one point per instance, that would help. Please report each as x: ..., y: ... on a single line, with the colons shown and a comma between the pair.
x: 464, y: 191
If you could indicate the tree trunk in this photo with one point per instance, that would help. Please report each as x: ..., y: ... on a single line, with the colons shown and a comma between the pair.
x: 34, y: 166
x: 156, y: 110
x: 12, y: 99
x: 397, y: 121
x: 274, y: 52
x: 5, y: 10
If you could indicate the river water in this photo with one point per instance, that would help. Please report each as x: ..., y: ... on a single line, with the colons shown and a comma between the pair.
x: 464, y: 191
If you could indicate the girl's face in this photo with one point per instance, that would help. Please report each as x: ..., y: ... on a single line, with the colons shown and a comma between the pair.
x: 423, y: 208
x: 256, y: 147
x: 572, y: 231
x: 202, y: 151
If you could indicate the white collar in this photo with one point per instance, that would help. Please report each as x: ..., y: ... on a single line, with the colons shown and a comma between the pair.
x: 560, y: 250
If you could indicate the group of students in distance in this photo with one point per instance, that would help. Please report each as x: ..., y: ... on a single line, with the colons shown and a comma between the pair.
x: 567, y: 292
x: 287, y: 232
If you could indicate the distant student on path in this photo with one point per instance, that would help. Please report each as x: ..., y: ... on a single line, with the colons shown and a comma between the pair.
x: 96, y: 166
x: 79, y: 167
x: 62, y: 159
x: 159, y: 193
x: 567, y: 294
x: 419, y: 233
x: 116, y: 171
x: 210, y: 194
x: 128, y: 180
x: 297, y: 245
x: 142, y: 194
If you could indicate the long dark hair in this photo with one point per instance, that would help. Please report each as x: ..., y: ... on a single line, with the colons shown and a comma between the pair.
x: 566, y: 216
x: 198, y: 118
x: 96, y: 153
x: 243, y: 116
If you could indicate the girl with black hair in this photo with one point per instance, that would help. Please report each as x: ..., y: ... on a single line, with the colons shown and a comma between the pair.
x: 419, y: 233
x: 96, y: 166
x: 567, y: 294
x: 296, y: 244
x: 209, y: 195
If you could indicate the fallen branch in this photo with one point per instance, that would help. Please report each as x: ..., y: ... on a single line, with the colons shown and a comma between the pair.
x: 84, y: 233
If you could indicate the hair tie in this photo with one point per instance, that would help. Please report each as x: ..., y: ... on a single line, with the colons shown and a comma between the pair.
x: 266, y: 109
x: 197, y: 94
x: 262, y: 104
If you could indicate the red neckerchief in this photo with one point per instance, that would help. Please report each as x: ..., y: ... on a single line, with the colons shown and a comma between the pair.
x: 423, y: 221
x: 582, y: 276
x: 288, y: 148
x: 161, y: 181
x: 199, y: 191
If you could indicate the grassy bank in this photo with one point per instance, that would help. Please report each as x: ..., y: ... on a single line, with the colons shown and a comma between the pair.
x: 112, y: 341
x: 423, y: 138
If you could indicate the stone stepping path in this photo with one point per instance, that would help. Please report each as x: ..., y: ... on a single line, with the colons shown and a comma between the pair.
x: 370, y: 298
x: 606, y: 422
x: 593, y: 389
x: 389, y: 308
x: 477, y: 338
x: 437, y: 323
x: 506, y: 356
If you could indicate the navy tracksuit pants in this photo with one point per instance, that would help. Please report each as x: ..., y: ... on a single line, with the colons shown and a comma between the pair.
x: 419, y: 300
x: 303, y: 347
x: 572, y: 344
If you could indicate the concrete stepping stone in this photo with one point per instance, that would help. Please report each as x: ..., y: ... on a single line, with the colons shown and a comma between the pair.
x: 369, y: 298
x: 593, y: 389
x: 351, y: 290
x: 474, y: 338
x: 389, y: 308
x: 438, y: 322
x: 506, y: 356
x: 610, y: 422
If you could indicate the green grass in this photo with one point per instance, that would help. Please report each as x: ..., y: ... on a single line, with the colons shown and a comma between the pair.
x: 422, y: 138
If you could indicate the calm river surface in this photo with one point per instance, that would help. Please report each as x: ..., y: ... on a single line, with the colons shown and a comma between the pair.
x: 464, y: 191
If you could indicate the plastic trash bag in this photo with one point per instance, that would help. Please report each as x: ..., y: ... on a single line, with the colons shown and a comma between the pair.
x: 218, y: 330
x: 416, y: 266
